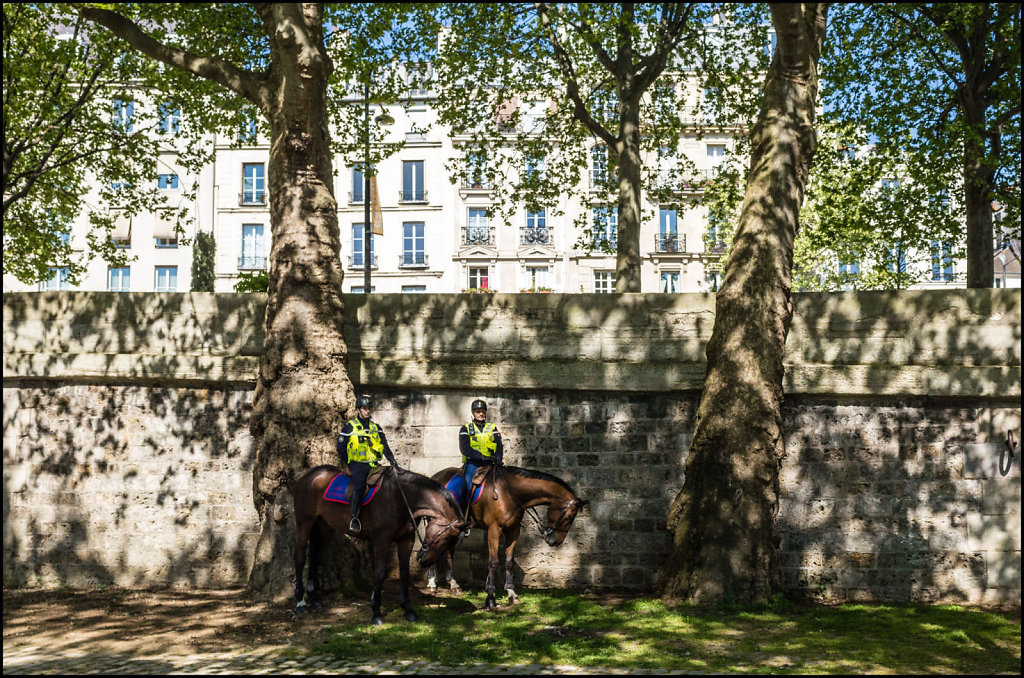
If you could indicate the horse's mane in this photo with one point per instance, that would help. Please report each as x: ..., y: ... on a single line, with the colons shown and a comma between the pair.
x: 426, y: 483
x: 538, y: 475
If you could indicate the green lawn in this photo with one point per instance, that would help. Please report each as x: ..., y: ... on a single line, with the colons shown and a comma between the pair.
x: 558, y: 627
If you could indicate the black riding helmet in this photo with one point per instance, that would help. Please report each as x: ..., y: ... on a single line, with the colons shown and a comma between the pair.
x: 478, y: 405
x: 364, y: 401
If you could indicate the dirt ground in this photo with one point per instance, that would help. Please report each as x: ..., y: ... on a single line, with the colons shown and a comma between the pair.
x: 155, y: 622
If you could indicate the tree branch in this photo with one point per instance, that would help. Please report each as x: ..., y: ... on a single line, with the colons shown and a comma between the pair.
x: 670, y: 35
x: 571, y: 83
x: 242, y: 82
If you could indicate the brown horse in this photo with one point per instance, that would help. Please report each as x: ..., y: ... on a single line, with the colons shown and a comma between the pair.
x: 509, y: 493
x: 402, y: 499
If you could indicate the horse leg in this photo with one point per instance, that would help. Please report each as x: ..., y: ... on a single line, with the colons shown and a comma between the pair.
x: 319, y: 538
x: 449, y: 559
x: 380, y: 562
x: 511, y: 537
x: 432, y: 579
x: 493, y: 537
x: 302, y: 531
x: 404, y: 551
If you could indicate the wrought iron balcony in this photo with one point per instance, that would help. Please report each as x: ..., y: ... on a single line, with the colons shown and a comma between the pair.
x: 478, y: 235
x: 476, y: 185
x: 412, y: 260
x: 668, y: 243
x: 356, y: 261
x: 247, y: 263
x: 535, y: 236
x: 252, y: 198
x: 412, y: 196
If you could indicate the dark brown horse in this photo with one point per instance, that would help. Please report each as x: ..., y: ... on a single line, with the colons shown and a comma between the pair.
x: 509, y: 494
x: 402, y: 500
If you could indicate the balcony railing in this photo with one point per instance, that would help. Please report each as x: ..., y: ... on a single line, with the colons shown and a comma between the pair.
x: 356, y: 261
x: 535, y: 236
x: 246, y: 263
x: 252, y: 198
x: 412, y: 196
x: 412, y: 260
x: 476, y: 185
x: 669, y: 243
x: 478, y: 235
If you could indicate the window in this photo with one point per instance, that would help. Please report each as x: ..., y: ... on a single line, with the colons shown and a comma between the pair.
x: 169, y: 119
x: 477, y: 232
x: 712, y: 100
x: 412, y: 244
x: 418, y: 79
x: 359, y: 289
x: 598, y: 165
x: 124, y: 112
x: 358, y: 231
x: 536, y: 219
x: 716, y: 156
x: 169, y: 243
x: 534, y: 113
x: 849, y: 265
x: 253, y: 184
x: 715, y: 235
x: 773, y: 41
x: 605, y: 104
x: 359, y: 182
x: 418, y: 124
x: 60, y: 279
x: 889, y: 184
x: 476, y: 170
x: 118, y: 279
x: 713, y: 280
x: 412, y: 181
x: 537, y: 277
x: 478, y: 278
x: 942, y: 260
x: 604, y: 282
x: 668, y: 165
x: 606, y: 226
x: 166, y: 278
x: 414, y: 289
x: 668, y: 235
x: 670, y: 281
x: 535, y: 168
x: 167, y: 181
x: 253, y: 254
x: 247, y: 130
x: 896, y: 259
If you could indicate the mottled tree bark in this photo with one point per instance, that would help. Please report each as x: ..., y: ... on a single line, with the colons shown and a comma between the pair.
x: 723, y: 522
x: 303, y: 390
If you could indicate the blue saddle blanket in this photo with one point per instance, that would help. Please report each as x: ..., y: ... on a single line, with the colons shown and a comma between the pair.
x: 336, y: 490
x: 455, y: 486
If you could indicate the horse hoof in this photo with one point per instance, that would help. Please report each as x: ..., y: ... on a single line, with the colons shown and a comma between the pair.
x: 456, y: 591
x: 411, y: 617
x: 378, y: 621
x: 513, y: 600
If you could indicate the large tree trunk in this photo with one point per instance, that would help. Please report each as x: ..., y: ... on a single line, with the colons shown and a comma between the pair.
x: 627, y: 262
x: 303, y: 392
x: 979, y: 179
x: 725, y: 545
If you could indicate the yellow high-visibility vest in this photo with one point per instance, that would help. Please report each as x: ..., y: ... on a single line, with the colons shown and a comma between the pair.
x: 482, y: 440
x: 364, y: 444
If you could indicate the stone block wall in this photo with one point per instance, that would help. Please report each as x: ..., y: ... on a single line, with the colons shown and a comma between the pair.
x: 127, y: 457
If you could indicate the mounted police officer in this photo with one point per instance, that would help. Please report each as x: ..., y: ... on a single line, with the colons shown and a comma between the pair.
x: 362, y: 443
x: 480, y: 443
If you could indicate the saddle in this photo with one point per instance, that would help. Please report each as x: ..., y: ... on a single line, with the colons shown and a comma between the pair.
x: 481, y: 474
x: 340, y: 489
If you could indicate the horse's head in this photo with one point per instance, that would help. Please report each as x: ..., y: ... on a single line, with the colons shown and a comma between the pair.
x: 560, y: 519
x: 441, y: 534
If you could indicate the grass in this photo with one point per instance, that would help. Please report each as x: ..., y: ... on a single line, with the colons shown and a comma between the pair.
x: 559, y: 627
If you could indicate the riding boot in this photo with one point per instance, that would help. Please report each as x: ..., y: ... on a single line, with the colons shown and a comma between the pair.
x: 357, y: 500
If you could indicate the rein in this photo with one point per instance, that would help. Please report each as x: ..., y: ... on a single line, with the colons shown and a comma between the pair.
x: 531, y: 511
x: 424, y: 544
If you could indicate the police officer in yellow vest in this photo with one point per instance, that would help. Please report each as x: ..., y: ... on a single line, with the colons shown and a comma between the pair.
x: 480, y: 444
x: 361, y: 443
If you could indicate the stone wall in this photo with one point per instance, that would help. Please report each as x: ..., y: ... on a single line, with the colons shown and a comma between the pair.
x: 127, y: 457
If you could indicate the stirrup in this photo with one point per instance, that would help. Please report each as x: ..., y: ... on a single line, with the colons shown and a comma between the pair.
x: 354, y: 525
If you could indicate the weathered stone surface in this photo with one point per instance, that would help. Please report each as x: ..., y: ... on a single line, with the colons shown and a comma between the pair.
x: 127, y: 456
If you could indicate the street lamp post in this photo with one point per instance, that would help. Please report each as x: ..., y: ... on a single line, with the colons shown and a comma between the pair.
x: 384, y: 119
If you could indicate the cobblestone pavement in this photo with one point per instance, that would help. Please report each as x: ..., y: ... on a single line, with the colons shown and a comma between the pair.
x: 37, y: 661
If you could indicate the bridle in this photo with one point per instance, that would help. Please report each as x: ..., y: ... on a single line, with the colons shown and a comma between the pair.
x: 547, y: 531
x: 424, y: 544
